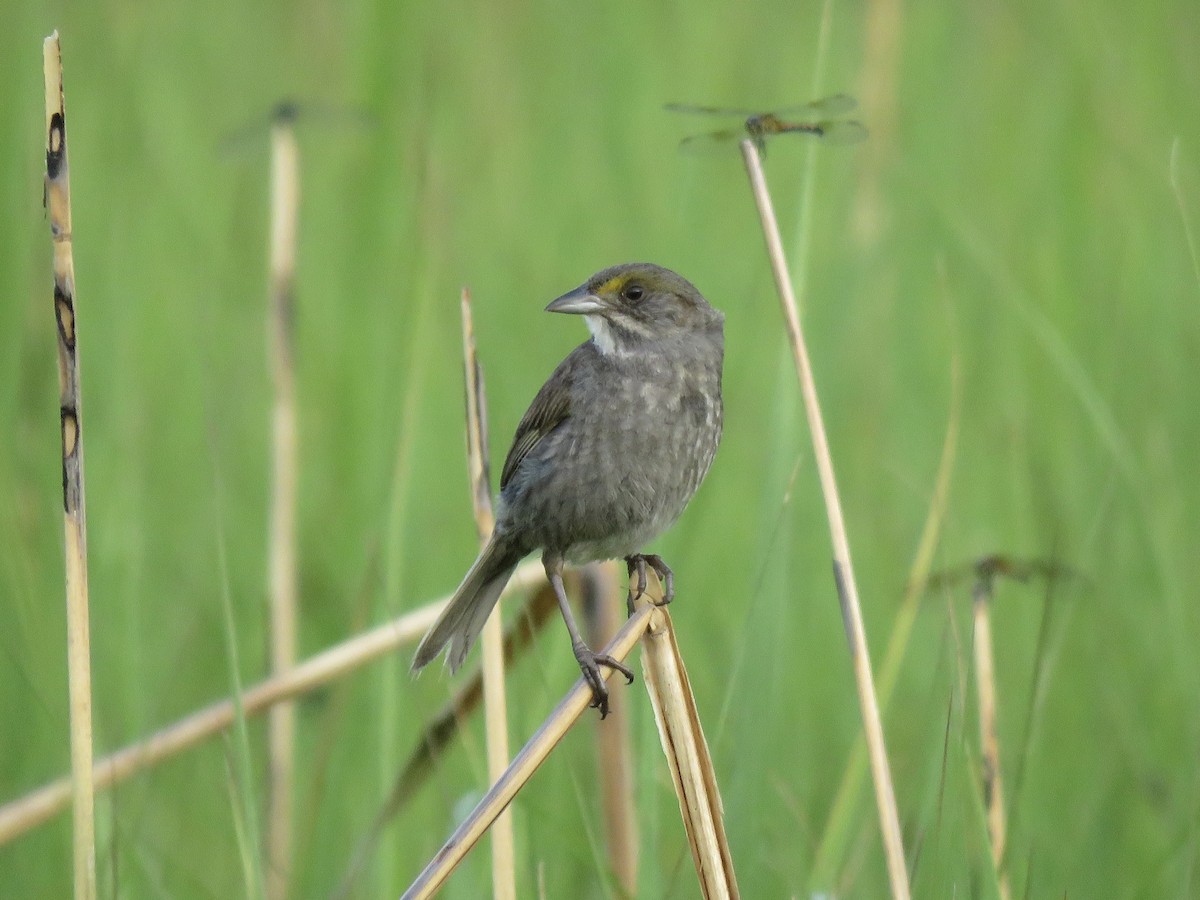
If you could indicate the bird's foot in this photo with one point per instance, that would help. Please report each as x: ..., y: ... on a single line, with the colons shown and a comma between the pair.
x: 637, y: 563
x: 590, y: 663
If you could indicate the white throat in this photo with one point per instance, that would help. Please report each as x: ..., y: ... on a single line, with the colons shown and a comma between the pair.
x: 601, y: 334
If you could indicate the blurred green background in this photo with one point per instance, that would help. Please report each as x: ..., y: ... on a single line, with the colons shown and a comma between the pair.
x: 1014, y: 209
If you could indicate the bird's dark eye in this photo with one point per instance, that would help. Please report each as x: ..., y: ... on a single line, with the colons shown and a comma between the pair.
x: 633, y: 292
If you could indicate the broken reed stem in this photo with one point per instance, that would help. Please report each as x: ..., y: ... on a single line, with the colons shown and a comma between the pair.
x: 495, y: 708
x: 989, y: 737
x: 79, y: 674
x: 614, y: 744
x: 281, y: 738
x: 843, y: 571
x: 686, y: 749
x: 36, y: 807
x: 524, y: 764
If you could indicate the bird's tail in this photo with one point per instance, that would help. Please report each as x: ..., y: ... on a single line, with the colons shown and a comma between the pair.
x: 461, y: 621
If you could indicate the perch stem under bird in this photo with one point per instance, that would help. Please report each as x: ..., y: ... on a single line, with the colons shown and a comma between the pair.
x: 607, y: 456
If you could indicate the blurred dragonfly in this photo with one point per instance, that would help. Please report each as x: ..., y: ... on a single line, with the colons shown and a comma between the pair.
x: 985, y: 570
x: 245, y: 137
x: 820, y: 119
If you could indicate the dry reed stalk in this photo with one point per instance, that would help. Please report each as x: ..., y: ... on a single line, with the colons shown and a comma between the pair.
x: 687, y: 754
x: 36, y: 807
x: 984, y: 572
x: 444, y: 726
x: 495, y: 708
x: 79, y: 674
x: 524, y: 764
x: 989, y: 737
x: 281, y: 735
x: 843, y: 571
x: 614, y: 744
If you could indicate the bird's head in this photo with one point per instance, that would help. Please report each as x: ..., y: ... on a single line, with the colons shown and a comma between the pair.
x: 635, y: 304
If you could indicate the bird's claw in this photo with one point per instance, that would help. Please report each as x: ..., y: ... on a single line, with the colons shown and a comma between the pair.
x: 590, y: 663
x: 637, y: 563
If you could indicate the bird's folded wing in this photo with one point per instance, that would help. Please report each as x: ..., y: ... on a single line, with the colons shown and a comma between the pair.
x: 550, y: 408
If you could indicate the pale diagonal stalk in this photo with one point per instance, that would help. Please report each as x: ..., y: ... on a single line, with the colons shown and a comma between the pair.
x: 25, y: 813
x: 285, y: 203
x: 444, y: 727
x: 523, y: 766
x: 843, y: 572
x: 495, y: 708
x: 79, y: 671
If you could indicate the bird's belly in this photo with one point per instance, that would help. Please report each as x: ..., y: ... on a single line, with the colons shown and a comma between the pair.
x: 619, y: 544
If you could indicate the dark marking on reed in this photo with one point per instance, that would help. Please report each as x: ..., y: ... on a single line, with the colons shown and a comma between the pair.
x: 69, y: 420
x: 839, y: 579
x: 64, y: 314
x: 56, y: 146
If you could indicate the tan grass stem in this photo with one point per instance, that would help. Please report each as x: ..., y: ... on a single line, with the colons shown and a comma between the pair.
x: 686, y: 749
x: 526, y: 762
x: 281, y: 734
x: 843, y: 571
x: 495, y: 707
x: 25, y: 813
x: 989, y: 736
x: 79, y: 672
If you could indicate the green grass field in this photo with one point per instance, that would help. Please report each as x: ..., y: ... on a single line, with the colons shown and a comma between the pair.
x: 1014, y: 210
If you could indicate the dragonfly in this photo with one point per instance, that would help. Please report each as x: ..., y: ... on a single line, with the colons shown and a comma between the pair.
x: 987, y: 569
x: 289, y: 112
x: 820, y: 119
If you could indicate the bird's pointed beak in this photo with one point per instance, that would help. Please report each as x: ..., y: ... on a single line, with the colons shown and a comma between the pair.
x: 580, y: 302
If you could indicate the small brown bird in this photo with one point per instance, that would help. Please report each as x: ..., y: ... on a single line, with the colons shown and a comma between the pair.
x: 608, y: 455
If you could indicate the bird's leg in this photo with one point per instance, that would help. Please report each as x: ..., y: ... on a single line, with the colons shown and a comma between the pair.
x: 589, y: 661
x: 635, y: 563
x: 638, y: 563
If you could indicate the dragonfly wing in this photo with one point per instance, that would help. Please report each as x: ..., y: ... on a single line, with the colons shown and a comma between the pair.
x: 837, y: 105
x: 692, y: 109
x: 846, y: 131
x: 713, y: 143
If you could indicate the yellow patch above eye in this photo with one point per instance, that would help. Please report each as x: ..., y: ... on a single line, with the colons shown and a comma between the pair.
x: 612, y: 286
